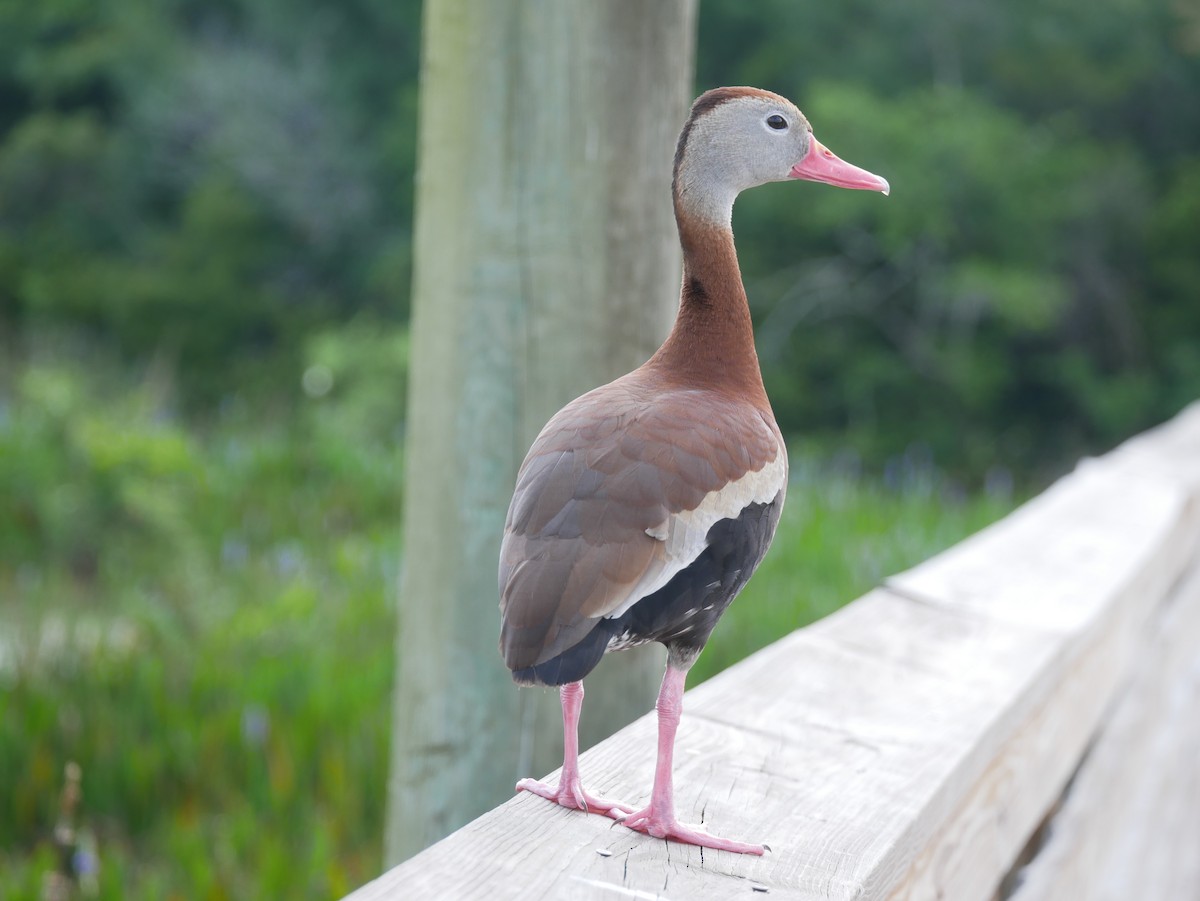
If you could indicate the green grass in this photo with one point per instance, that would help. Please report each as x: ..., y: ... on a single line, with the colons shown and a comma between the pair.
x: 202, y: 619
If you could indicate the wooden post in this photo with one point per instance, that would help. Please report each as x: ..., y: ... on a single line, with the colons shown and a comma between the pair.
x: 546, y: 264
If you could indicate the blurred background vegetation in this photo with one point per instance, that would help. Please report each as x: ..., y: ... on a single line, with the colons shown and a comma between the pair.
x: 205, y: 212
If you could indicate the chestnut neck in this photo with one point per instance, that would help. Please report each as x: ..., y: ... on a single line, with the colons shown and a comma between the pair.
x: 712, y: 342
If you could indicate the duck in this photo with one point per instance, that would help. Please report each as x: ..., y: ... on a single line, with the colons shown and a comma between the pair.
x: 644, y: 506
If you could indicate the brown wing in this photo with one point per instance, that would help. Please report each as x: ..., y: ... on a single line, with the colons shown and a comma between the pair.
x: 587, y: 529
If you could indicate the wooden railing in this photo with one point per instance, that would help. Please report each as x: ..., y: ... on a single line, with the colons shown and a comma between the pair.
x: 1018, y: 717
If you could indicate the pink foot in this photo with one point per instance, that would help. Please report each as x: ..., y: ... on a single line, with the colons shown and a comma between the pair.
x: 669, y: 828
x: 569, y: 793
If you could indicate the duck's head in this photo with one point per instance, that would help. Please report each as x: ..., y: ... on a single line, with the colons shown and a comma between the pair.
x: 737, y: 138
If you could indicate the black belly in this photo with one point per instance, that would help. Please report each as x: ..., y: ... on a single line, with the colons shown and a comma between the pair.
x: 681, y: 614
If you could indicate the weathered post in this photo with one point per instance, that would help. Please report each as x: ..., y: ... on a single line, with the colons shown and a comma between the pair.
x: 546, y: 264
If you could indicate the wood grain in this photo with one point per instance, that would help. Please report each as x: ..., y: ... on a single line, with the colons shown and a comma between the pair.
x: 1130, y: 825
x: 909, y: 745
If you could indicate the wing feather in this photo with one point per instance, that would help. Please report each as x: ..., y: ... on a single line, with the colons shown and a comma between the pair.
x: 616, y: 496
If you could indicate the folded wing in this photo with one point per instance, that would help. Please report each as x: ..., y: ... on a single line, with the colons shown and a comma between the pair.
x: 616, y: 496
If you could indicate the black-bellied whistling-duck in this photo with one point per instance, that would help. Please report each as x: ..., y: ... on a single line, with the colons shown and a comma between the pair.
x: 644, y: 506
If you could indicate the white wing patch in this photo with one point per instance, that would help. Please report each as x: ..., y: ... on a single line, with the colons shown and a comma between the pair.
x: 685, y: 534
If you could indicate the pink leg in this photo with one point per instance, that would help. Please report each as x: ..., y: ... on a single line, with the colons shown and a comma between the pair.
x: 658, y: 818
x: 569, y: 792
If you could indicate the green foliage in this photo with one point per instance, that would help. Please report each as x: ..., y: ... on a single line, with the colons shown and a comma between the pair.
x: 914, y: 315
x: 74, y: 477
x: 1009, y: 302
x: 209, y: 182
x: 202, y: 620
x: 240, y: 762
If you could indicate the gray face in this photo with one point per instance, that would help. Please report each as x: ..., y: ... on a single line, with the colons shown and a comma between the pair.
x: 741, y: 143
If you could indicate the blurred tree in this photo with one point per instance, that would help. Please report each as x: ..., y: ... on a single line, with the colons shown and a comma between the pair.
x: 206, y: 180
x: 547, y: 263
x: 1010, y: 303
x: 210, y: 181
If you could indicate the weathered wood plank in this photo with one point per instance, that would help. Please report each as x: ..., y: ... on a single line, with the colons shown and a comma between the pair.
x: 1062, y: 559
x: 1003, y: 573
x: 1077, y: 586
x: 821, y: 753
x: 1170, y: 452
x: 1130, y: 824
x: 906, y: 746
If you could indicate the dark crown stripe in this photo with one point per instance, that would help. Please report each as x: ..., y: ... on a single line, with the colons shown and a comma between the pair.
x: 706, y: 103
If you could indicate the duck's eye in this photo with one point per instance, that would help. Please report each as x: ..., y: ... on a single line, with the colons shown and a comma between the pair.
x: 777, y: 122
